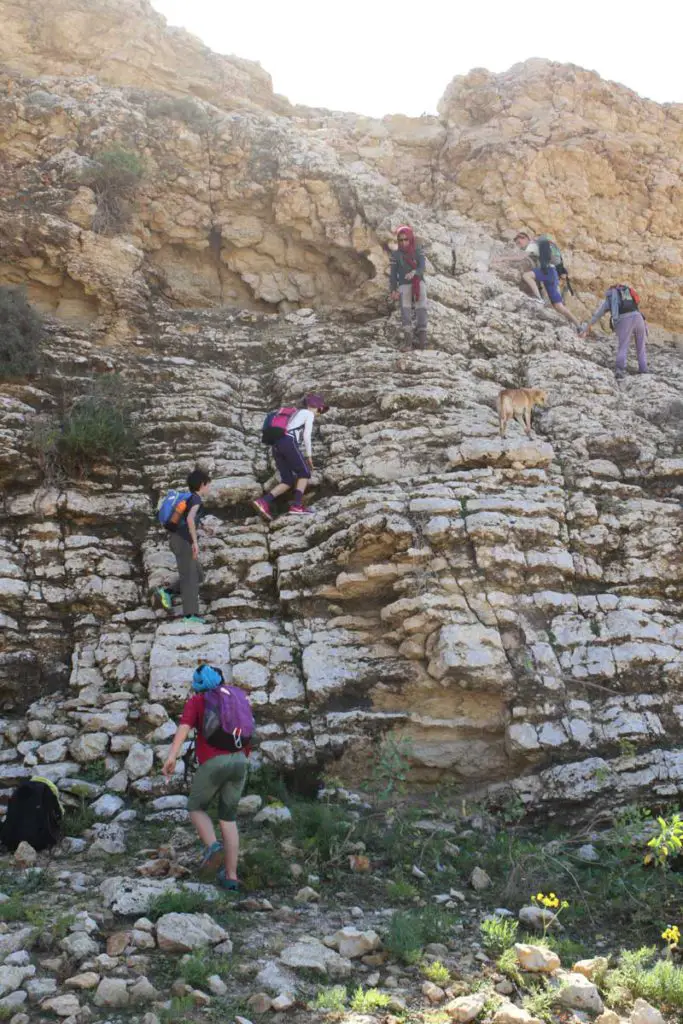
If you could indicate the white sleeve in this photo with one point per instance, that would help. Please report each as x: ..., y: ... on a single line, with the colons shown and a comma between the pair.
x: 308, y: 433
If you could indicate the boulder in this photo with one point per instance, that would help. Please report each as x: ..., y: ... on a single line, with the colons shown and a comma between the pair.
x: 107, y: 806
x: 62, y: 1006
x: 466, y: 1008
x: 89, y: 746
x: 12, y: 978
x: 112, y: 993
x: 578, y: 993
x: 140, y: 761
x: 352, y: 943
x: 275, y: 979
x: 643, y: 1013
x: 537, y: 959
x: 538, y: 919
x: 82, y: 982
x: 479, y: 879
x: 24, y: 855
x: 183, y: 933
x: 79, y: 946
x: 589, y: 968
x: 511, y: 1014
x: 310, y: 954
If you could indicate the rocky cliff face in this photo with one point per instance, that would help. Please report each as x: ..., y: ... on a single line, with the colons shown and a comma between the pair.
x: 508, y: 607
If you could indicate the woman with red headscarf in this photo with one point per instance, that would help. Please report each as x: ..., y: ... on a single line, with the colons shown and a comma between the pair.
x: 407, y: 284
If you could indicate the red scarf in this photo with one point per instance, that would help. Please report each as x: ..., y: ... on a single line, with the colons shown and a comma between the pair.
x: 409, y: 255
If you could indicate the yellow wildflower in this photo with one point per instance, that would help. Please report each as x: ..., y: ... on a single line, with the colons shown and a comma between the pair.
x: 672, y: 935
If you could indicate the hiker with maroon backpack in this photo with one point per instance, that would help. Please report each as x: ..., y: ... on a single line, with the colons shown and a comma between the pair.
x: 407, y: 284
x: 289, y: 430
x: 626, y: 320
x: 222, y: 717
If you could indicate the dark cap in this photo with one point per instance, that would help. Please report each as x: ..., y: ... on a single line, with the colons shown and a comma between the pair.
x: 316, y: 402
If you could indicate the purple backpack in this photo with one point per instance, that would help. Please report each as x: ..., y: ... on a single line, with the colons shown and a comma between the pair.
x: 228, y: 721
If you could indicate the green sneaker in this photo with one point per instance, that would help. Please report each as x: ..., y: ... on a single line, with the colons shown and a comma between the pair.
x: 193, y: 618
x: 165, y: 598
x: 230, y: 884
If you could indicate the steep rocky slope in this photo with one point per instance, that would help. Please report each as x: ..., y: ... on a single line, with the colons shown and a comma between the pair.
x: 509, y: 608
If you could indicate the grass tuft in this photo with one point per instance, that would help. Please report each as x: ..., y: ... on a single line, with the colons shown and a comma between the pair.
x: 333, y: 1000
x: 369, y: 1000
x: 411, y: 930
x: 178, y: 901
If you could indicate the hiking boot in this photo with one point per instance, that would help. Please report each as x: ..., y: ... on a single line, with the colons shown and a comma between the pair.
x: 421, y: 339
x: 193, y: 618
x: 300, y: 510
x: 645, y: 371
x: 262, y: 506
x: 230, y: 884
x: 211, y: 858
x: 620, y: 374
x: 165, y: 598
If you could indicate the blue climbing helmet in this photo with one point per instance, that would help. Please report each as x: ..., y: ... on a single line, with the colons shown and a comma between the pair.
x: 206, y: 678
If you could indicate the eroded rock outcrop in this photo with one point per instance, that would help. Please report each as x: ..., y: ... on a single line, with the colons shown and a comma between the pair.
x: 511, y: 608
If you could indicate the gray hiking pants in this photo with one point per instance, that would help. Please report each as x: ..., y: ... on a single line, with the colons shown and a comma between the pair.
x: 628, y: 325
x: 406, y: 298
x: 189, y: 574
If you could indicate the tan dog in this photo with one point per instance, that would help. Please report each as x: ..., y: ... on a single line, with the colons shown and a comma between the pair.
x: 516, y: 402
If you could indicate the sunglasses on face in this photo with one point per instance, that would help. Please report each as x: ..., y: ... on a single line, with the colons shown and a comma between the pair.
x: 403, y: 239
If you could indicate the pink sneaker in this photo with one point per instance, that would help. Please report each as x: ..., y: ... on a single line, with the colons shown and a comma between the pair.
x: 300, y: 510
x: 262, y: 506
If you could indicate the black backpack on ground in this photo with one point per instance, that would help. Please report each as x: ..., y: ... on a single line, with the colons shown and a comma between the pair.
x: 34, y: 815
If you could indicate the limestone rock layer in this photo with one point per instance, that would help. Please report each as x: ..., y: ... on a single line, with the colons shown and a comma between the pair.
x: 507, y: 611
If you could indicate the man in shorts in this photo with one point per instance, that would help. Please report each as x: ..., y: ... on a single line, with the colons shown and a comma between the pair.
x: 547, y: 276
x: 294, y: 465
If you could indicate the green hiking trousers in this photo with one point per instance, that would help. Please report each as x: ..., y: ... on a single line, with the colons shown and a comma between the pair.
x: 223, y: 776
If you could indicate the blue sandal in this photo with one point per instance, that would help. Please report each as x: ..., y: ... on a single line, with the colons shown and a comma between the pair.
x: 211, y: 857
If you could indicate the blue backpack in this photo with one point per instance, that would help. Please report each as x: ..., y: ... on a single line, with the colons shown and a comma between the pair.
x: 173, y: 508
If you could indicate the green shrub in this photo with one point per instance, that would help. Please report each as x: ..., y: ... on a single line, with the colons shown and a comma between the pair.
x: 331, y: 999
x: 263, y: 867
x: 639, y: 975
x: 411, y: 930
x: 77, y: 820
x: 540, y: 1001
x: 21, y: 334
x: 401, y: 889
x: 99, y: 425
x: 95, y: 428
x: 179, y: 108
x: 199, y: 967
x: 14, y: 909
x: 437, y: 973
x: 113, y: 178
x: 178, y: 901
x: 179, y: 1010
x: 498, y: 934
x: 508, y: 964
x: 95, y: 771
x: 367, y: 1002
x: 321, y: 829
